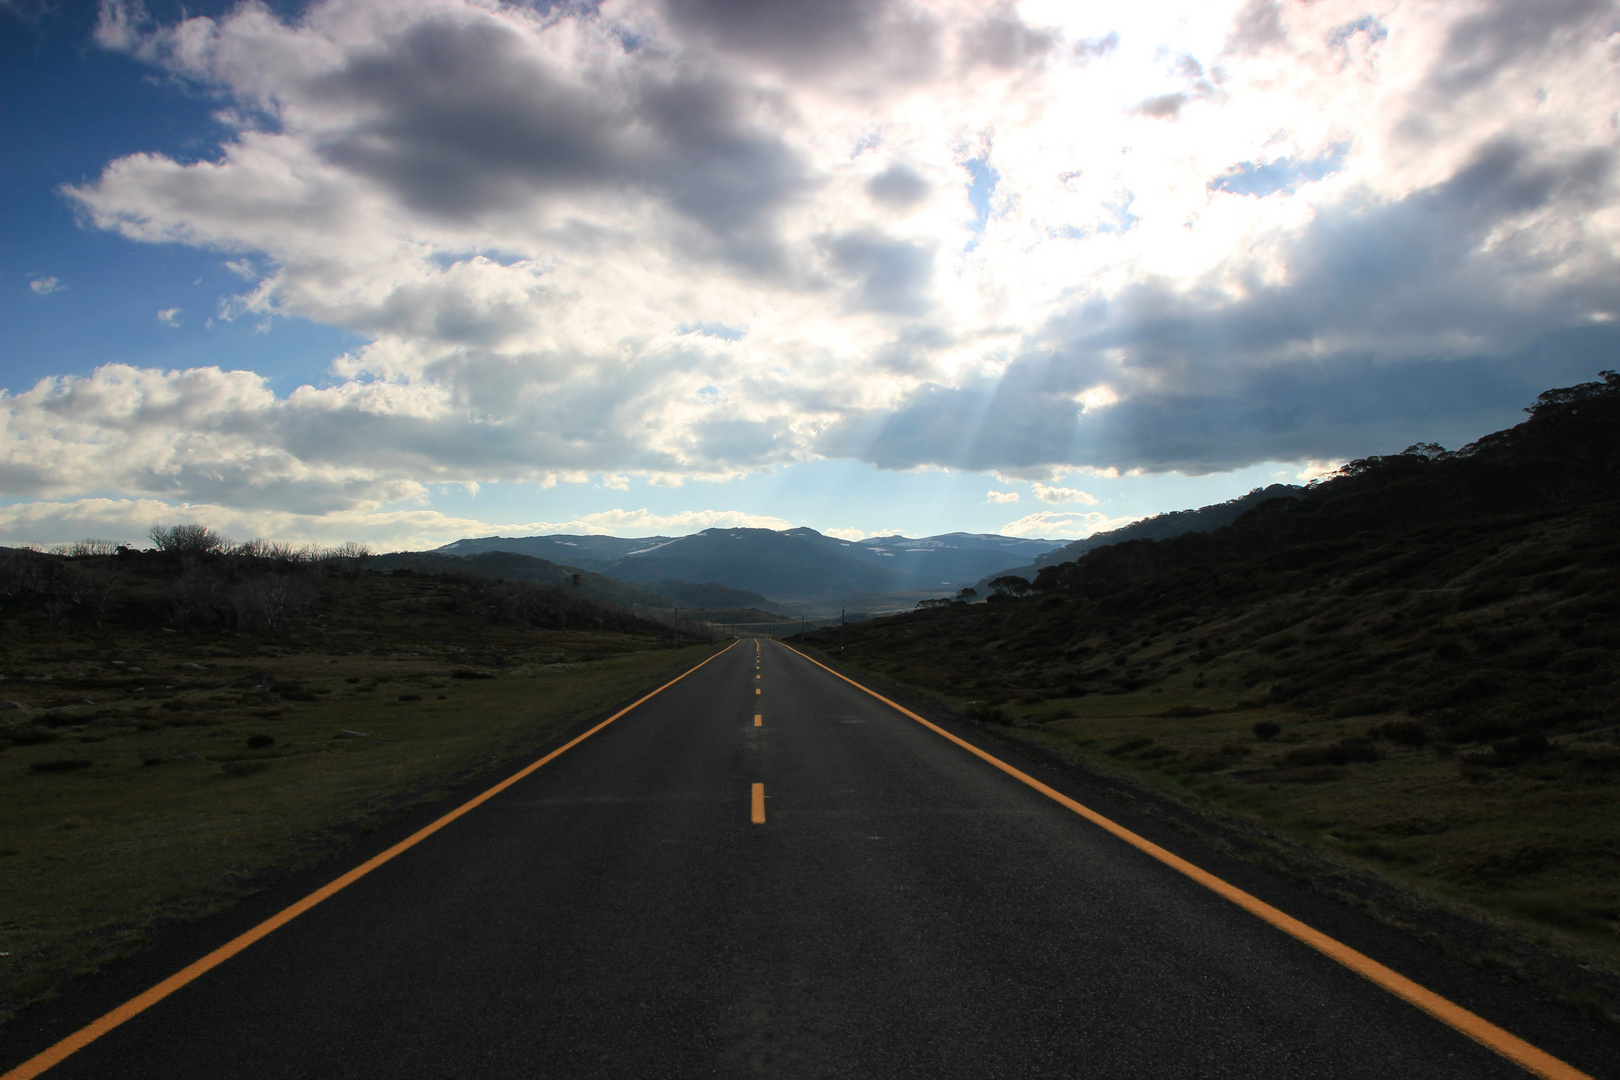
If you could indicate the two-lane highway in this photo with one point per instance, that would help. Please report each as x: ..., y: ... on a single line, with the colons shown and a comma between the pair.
x: 765, y: 871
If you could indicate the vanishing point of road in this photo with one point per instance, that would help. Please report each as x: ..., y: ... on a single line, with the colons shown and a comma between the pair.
x: 765, y: 871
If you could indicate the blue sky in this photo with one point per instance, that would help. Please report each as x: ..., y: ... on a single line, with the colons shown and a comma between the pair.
x: 403, y: 272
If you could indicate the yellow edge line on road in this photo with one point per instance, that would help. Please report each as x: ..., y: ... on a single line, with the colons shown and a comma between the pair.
x: 1476, y: 1027
x: 97, y: 1028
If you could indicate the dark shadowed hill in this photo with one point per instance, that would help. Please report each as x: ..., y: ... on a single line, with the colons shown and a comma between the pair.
x: 510, y: 566
x: 768, y: 565
x: 1174, y: 523
x: 1566, y: 454
x: 709, y: 596
x: 793, y: 564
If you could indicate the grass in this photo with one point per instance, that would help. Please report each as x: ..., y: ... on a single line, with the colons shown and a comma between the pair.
x: 157, y: 776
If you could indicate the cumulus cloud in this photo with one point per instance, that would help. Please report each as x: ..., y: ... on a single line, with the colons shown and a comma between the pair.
x: 49, y: 522
x: 169, y: 316
x: 696, y: 238
x: 1001, y: 496
x: 1064, y: 495
x: 44, y: 286
x: 1054, y: 525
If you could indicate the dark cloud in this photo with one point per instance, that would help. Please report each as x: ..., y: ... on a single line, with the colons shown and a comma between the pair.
x: 899, y: 186
x: 460, y: 120
x: 1365, y: 348
x: 1257, y: 27
x: 1002, y: 41
x: 1163, y: 107
x: 891, y: 275
x: 1508, y: 32
x: 1090, y: 49
x: 882, y: 37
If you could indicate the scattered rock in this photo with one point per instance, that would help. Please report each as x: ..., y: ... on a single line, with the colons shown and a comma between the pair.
x: 83, y: 701
x: 5, y: 705
x: 192, y: 667
x: 347, y: 734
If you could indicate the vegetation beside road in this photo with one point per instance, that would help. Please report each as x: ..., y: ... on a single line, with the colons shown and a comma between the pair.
x: 154, y: 774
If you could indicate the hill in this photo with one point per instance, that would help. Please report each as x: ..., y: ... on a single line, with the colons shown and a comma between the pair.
x: 1410, y: 667
x: 710, y: 597
x: 588, y: 552
x: 1174, y: 523
x: 510, y: 566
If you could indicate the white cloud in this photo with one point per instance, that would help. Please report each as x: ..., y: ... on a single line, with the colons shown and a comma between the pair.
x: 1317, y: 470
x: 44, y: 286
x: 56, y: 522
x: 845, y: 534
x: 1001, y: 496
x: 756, y: 238
x: 169, y: 316
x: 1064, y: 495
x: 615, y: 483
x: 1054, y: 524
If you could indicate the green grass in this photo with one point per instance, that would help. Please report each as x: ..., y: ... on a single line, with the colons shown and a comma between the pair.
x: 382, y: 701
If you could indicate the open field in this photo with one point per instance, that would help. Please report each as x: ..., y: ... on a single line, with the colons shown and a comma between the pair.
x: 155, y: 775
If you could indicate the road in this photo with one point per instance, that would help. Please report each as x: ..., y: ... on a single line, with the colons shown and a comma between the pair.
x: 902, y: 910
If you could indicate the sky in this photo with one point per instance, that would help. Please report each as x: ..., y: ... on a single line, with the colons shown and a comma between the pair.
x: 403, y: 271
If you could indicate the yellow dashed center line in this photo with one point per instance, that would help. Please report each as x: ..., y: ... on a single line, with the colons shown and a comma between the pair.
x: 759, y: 721
x: 756, y: 812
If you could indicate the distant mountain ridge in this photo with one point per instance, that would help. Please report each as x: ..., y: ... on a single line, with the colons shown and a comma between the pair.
x: 1174, y: 523
x: 791, y: 565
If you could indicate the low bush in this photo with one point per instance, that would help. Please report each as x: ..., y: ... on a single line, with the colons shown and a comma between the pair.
x: 60, y: 765
x: 1405, y: 732
x: 1267, y: 729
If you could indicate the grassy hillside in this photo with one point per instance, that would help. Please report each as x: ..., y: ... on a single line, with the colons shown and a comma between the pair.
x: 174, y: 731
x: 1435, y: 702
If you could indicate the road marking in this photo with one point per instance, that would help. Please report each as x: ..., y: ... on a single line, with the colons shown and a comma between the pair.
x: 140, y: 1003
x: 1528, y: 1057
x: 756, y: 812
x: 757, y: 691
x: 759, y: 721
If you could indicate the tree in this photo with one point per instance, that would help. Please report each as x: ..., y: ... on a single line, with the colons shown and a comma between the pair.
x: 1010, y: 585
x: 968, y: 595
x: 197, y: 539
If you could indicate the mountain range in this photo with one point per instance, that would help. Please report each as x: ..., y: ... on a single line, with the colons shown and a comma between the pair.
x: 792, y: 566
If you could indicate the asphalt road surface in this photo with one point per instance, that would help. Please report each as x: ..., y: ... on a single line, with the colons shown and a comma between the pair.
x: 903, y: 910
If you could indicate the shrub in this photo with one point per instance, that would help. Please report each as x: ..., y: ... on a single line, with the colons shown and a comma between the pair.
x: 259, y: 742
x: 1267, y: 729
x: 60, y: 765
x: 1339, y: 753
x: 988, y: 714
x: 1363, y: 705
x: 1405, y: 732
x: 28, y: 735
x: 1138, y: 743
